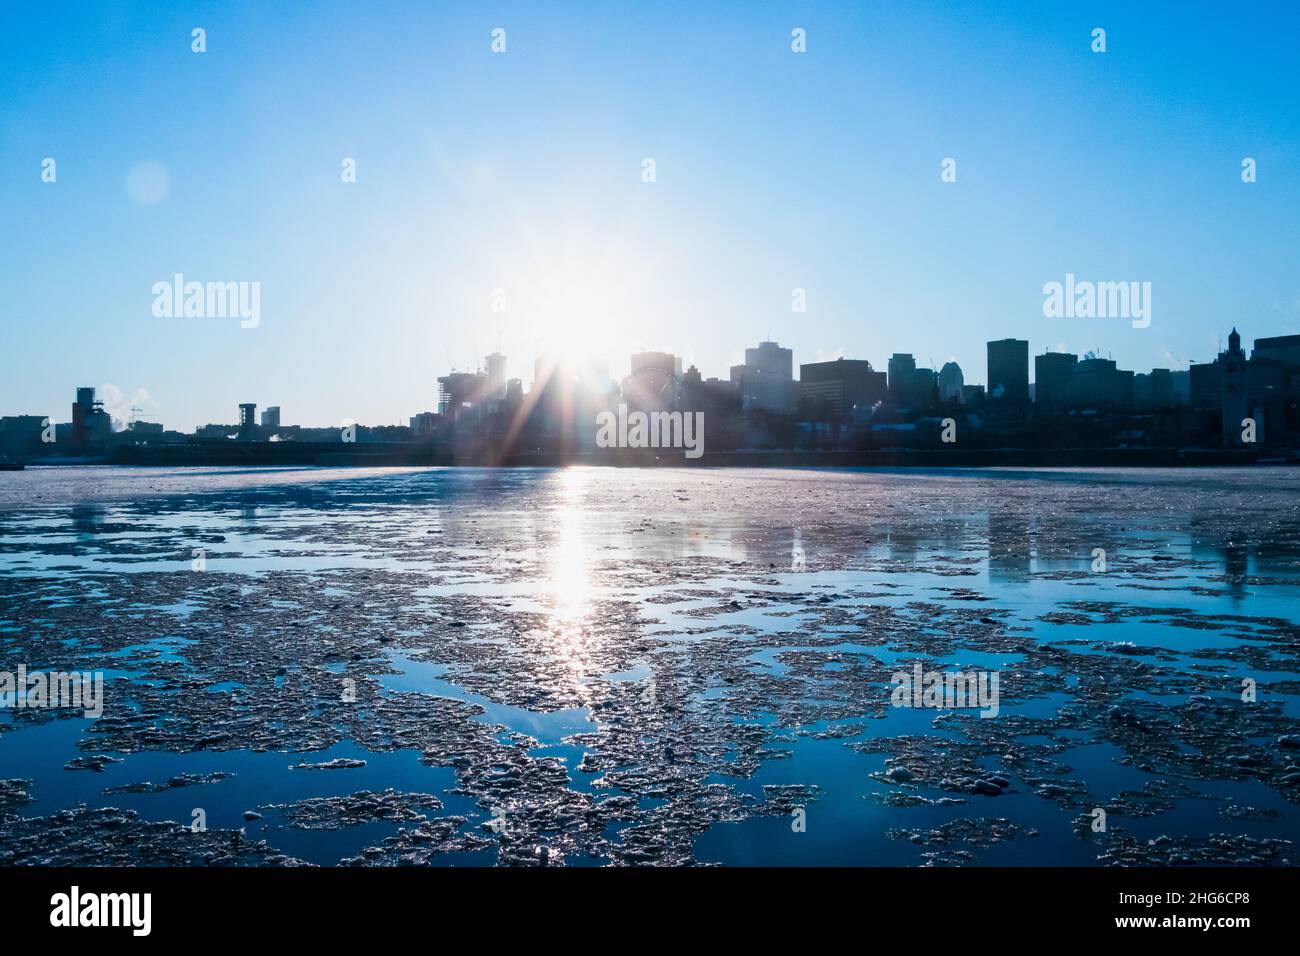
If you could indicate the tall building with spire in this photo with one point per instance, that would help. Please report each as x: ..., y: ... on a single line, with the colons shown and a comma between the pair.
x: 1235, y: 399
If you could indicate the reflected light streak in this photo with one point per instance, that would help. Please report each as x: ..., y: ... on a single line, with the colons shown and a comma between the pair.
x: 569, y: 581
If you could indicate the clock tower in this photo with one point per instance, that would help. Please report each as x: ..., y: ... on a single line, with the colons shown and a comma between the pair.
x: 1233, y: 363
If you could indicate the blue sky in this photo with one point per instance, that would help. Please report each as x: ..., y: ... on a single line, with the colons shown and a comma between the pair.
x: 522, y: 172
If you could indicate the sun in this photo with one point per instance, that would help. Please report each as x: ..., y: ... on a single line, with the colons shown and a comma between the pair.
x: 575, y: 321
x: 573, y: 316
x: 579, y: 288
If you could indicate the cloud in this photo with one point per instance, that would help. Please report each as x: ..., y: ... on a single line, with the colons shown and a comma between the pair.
x: 118, y: 404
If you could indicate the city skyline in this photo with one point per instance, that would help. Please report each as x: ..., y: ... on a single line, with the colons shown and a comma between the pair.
x: 766, y: 381
x: 776, y: 173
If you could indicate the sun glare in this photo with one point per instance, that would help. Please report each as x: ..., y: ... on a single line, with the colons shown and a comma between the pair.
x: 578, y: 291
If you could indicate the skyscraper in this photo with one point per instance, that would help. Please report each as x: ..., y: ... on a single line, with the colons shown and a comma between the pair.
x: 496, y: 376
x: 766, y: 379
x: 653, y: 383
x: 1161, y: 384
x: 1205, y: 385
x: 950, y: 382
x: 1053, y: 372
x: 1009, y: 371
x: 920, y: 388
x: 1097, y: 383
x: 1283, y: 348
x: 901, y: 366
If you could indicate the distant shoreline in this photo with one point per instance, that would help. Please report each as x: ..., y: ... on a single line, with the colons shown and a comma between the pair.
x: 271, y: 454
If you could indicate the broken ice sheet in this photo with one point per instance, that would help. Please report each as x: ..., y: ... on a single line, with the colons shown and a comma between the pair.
x: 613, y: 666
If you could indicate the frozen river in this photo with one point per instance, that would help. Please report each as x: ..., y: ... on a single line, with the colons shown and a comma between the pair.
x: 591, y: 666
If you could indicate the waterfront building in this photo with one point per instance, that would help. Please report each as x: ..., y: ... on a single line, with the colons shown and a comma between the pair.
x: 1008, y: 371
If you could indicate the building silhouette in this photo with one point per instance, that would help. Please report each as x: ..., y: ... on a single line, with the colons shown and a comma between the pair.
x: 1075, y: 402
x: 834, y: 388
x: 1284, y: 349
x: 21, y: 434
x: 1096, y: 383
x: 951, y: 382
x: 461, y: 394
x: 1053, y: 380
x: 1008, y: 367
x: 496, y: 377
x: 766, y: 379
x: 1236, y: 400
x: 920, y: 388
x: 901, y: 365
x: 424, y: 424
x: 653, y: 383
x: 247, y: 422
x: 91, y: 425
x: 1154, y: 389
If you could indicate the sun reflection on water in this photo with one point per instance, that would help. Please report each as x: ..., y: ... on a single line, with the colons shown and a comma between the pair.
x: 569, y: 579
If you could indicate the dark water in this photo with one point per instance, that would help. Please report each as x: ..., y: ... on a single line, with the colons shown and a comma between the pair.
x: 628, y: 666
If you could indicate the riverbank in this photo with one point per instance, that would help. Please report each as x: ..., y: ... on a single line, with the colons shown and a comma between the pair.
x: 334, y: 454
